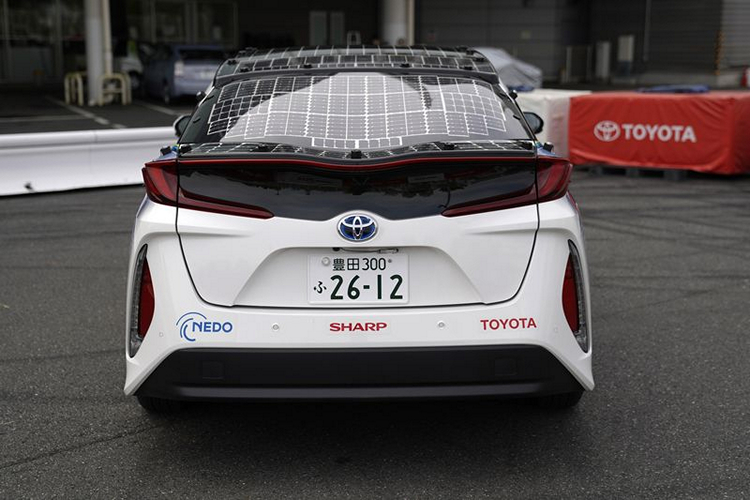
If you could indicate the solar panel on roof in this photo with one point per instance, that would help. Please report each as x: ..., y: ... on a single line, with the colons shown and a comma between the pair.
x: 357, y: 110
x: 355, y: 50
x: 367, y: 61
x: 356, y: 57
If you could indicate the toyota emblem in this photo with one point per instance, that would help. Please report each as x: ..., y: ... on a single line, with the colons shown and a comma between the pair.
x: 357, y: 227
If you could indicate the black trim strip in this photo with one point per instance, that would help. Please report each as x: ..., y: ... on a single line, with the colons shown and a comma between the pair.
x: 372, y: 373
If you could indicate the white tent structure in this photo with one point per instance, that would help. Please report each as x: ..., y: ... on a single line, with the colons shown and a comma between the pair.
x: 512, y: 71
x: 553, y: 106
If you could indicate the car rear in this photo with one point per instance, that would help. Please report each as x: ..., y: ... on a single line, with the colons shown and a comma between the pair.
x: 357, y: 234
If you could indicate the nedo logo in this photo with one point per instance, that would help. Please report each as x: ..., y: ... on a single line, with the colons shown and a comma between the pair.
x: 194, y: 323
x: 607, y: 131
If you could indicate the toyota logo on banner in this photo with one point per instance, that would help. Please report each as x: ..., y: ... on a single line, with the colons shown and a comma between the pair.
x: 607, y: 131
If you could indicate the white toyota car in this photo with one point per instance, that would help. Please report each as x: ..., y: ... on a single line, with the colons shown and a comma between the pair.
x: 357, y: 223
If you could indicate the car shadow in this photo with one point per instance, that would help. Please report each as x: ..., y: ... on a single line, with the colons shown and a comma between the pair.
x: 374, y: 441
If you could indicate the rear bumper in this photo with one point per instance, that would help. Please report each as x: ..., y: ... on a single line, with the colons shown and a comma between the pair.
x: 372, y: 373
x: 455, y: 329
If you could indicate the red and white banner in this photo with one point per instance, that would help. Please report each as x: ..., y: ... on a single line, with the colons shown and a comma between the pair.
x: 702, y: 132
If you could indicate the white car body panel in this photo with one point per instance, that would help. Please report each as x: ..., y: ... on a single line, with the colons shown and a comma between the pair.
x: 452, y: 260
x: 538, y: 297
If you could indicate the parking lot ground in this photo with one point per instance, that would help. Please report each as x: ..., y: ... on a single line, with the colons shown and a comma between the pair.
x: 668, y: 419
x: 43, y: 109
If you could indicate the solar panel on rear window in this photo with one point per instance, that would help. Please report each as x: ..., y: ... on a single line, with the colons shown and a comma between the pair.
x: 254, y: 147
x: 357, y: 110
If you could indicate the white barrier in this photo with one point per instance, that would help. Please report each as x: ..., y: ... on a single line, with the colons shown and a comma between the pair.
x: 553, y: 106
x: 59, y: 161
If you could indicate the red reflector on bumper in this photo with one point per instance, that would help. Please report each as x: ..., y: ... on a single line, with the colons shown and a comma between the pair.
x: 570, y: 297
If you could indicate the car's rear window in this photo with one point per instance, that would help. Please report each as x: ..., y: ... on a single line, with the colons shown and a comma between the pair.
x: 356, y: 111
x: 311, y: 193
x: 201, y: 55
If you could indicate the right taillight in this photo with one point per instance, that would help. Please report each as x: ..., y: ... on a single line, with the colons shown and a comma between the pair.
x: 574, y: 300
x: 552, y: 179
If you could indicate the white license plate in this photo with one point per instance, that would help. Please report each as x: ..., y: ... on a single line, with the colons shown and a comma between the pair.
x: 358, y: 278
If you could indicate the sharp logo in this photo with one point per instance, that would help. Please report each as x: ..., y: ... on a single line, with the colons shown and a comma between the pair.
x: 608, y: 131
x: 194, y: 323
x: 357, y: 327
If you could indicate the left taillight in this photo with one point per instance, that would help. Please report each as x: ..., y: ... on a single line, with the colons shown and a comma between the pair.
x: 160, y: 179
x: 161, y: 182
x: 574, y: 300
x: 142, y: 302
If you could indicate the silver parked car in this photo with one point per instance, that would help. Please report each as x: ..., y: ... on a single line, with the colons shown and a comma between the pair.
x: 179, y: 70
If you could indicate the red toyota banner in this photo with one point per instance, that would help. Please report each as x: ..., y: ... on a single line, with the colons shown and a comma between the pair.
x: 704, y: 132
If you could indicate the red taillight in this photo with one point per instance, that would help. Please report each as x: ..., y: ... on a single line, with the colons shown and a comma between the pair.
x: 141, y: 302
x: 160, y: 179
x: 552, y: 179
x: 570, y: 296
x: 146, y: 301
x: 207, y: 204
x: 574, y: 299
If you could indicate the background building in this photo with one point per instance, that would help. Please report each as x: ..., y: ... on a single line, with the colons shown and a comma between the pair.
x: 639, y: 41
x: 676, y: 41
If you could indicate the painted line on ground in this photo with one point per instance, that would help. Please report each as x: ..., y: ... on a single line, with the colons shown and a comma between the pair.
x: 160, y: 109
x: 88, y: 114
x: 43, y: 118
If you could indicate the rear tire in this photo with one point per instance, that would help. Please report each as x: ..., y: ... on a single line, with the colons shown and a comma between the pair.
x: 559, y: 401
x: 159, y: 406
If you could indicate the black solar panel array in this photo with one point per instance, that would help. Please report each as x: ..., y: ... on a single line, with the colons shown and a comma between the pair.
x: 218, y: 148
x: 418, y: 57
x: 357, y: 111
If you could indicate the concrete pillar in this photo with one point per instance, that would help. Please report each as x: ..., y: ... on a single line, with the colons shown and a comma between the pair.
x: 397, y: 22
x: 6, y: 45
x: 57, y: 42
x: 94, y: 49
x: 107, y: 37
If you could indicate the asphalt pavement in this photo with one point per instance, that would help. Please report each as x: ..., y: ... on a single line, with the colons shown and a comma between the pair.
x: 669, y: 417
x: 43, y: 109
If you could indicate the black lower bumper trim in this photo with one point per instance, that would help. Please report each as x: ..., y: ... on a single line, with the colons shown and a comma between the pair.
x: 370, y: 373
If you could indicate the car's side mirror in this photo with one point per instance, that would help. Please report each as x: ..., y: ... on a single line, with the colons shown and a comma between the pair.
x: 180, y: 124
x: 534, y: 120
